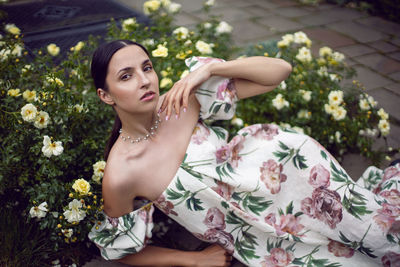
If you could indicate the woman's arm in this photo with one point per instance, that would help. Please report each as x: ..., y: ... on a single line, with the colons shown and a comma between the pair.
x: 214, y: 255
x: 252, y: 75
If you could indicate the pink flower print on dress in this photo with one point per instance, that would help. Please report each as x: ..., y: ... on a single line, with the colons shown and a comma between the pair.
x: 386, y: 218
x: 200, y: 134
x: 113, y: 221
x: 144, y: 215
x: 230, y: 152
x: 272, y: 176
x: 224, y: 239
x: 391, y: 172
x: 393, y: 196
x: 224, y: 190
x: 289, y: 224
x: 261, y: 131
x: 215, y: 219
x: 278, y: 258
x: 270, y: 219
x: 226, y: 91
x: 206, y: 60
x: 339, y: 249
x: 324, y: 205
x: 165, y: 206
x: 319, y: 176
x: 391, y: 259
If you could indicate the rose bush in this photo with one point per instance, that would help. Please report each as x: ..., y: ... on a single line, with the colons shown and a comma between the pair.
x: 54, y: 127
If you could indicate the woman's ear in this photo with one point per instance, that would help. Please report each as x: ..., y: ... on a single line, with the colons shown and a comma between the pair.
x: 105, y: 96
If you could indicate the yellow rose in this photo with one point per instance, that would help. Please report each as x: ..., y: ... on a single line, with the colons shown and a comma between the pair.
x: 161, y: 51
x: 11, y: 28
x: 53, y: 49
x: 81, y: 186
x: 151, y: 6
x: 165, y: 82
x: 29, y: 95
x: 13, y: 92
x: 79, y: 46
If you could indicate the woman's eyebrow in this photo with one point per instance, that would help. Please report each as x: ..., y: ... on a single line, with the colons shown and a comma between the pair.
x: 130, y: 68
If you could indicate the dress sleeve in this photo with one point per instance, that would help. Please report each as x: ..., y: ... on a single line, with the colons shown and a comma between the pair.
x: 128, y: 234
x: 217, y: 96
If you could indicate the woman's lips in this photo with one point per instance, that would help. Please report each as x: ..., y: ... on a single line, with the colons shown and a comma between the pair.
x: 148, y: 96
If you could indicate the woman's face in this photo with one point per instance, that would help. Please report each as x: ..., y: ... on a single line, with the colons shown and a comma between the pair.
x: 132, y: 81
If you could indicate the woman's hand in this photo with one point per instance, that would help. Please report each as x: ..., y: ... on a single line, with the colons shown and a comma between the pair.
x: 213, y: 255
x: 178, y: 96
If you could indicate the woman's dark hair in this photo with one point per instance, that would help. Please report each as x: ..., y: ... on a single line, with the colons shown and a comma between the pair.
x: 99, y: 68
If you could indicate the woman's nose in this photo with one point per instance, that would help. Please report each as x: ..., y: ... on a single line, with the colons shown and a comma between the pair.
x: 144, y: 79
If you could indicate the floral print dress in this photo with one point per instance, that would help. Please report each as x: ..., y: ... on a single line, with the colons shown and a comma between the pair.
x: 270, y: 196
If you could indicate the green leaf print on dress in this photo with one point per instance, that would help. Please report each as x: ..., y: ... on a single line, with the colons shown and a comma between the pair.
x: 192, y: 203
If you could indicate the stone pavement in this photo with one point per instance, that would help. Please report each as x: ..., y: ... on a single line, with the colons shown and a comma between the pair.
x: 371, y: 45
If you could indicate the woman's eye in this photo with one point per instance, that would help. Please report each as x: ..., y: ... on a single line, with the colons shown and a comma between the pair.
x: 125, y: 77
x: 148, y: 68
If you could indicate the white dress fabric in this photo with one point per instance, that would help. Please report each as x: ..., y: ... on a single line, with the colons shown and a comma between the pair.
x: 270, y: 196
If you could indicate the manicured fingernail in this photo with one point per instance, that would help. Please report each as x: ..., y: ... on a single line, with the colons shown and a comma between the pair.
x: 176, y: 116
x: 167, y: 118
x: 184, y: 109
x: 159, y: 111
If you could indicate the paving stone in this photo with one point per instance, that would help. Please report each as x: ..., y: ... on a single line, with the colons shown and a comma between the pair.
x: 135, y: 4
x: 284, y: 3
x: 380, y: 63
x: 355, y: 165
x: 235, y: 3
x: 228, y: 14
x: 394, y: 88
x: 258, y: 11
x: 267, y: 4
x: 388, y: 101
x: 292, y: 12
x: 245, y: 31
x: 328, y: 37
x: 395, y: 41
x: 280, y: 24
x: 381, y: 24
x: 319, y: 18
x: 357, y: 31
x: 356, y: 50
x: 384, y: 46
x: 190, y: 6
x: 370, y: 79
x: 185, y: 19
x: 395, y: 76
x: 395, y: 56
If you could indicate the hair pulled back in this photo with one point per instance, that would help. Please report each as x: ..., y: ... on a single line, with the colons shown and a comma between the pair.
x: 99, y: 69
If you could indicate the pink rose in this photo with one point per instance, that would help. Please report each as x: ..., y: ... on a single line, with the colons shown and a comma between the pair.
x: 215, y: 219
x: 226, y: 91
x: 224, y: 239
x: 289, y: 224
x: 391, y: 259
x: 386, y: 218
x: 113, y: 221
x: 272, y: 176
x: 224, y: 190
x: 223, y: 154
x: 165, y: 206
x: 262, y: 131
x: 278, y: 258
x: 230, y: 152
x: 200, y: 134
x: 340, y: 250
x: 270, y: 219
x: 390, y: 172
x: 325, y: 205
x: 319, y: 176
x: 393, y: 196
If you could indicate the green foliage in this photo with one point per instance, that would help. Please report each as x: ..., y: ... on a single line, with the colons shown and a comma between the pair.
x: 314, y: 100
x: 53, y: 128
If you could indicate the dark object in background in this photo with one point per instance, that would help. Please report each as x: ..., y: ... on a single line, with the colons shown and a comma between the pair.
x: 64, y: 22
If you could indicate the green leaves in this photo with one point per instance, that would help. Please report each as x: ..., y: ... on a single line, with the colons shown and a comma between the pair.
x: 255, y: 204
x: 192, y: 203
x: 299, y: 161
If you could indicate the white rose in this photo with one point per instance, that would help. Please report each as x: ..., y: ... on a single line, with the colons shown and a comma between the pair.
x: 51, y: 148
x: 28, y: 112
x: 74, y: 213
x: 223, y: 27
x: 39, y: 211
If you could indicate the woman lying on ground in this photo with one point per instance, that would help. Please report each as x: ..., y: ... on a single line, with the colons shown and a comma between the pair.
x: 269, y: 197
